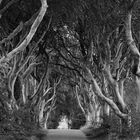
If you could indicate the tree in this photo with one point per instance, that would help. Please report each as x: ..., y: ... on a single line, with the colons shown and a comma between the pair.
x: 79, y: 50
x: 19, y: 64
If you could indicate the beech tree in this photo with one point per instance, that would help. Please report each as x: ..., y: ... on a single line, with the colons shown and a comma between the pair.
x: 105, y: 55
x: 88, y: 47
x: 27, y: 60
x: 18, y: 63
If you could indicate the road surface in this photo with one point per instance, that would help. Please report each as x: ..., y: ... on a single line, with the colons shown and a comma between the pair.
x: 68, y: 134
x: 65, y: 134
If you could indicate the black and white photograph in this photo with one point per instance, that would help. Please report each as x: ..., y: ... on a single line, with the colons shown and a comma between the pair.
x: 69, y: 69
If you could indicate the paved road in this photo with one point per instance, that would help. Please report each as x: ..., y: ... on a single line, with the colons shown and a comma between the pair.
x: 64, y: 134
x: 67, y: 134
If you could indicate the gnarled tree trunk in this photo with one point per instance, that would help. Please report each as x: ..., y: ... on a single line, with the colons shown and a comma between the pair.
x: 110, y: 102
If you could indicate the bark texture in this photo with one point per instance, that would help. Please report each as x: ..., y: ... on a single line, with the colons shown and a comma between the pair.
x: 104, y: 98
x: 29, y: 37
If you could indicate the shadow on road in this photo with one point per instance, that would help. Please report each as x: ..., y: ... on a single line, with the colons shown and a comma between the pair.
x: 96, y: 133
x: 99, y: 137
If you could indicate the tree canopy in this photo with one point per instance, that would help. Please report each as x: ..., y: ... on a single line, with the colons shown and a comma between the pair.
x: 73, y: 58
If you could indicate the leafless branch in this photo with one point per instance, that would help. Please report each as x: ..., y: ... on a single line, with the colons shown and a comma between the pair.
x: 33, y: 29
x: 104, y: 98
x: 14, y: 33
x: 29, y: 70
x: 7, y: 6
x: 79, y: 102
x: 73, y: 69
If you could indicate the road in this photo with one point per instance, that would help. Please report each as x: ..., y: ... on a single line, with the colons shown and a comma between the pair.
x: 67, y: 134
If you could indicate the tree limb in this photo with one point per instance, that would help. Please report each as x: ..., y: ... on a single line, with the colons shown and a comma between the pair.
x: 13, y: 34
x: 29, y: 37
x: 104, y: 98
x: 79, y: 101
x: 132, y: 45
x: 7, y: 6
x: 130, y: 40
x: 29, y: 70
